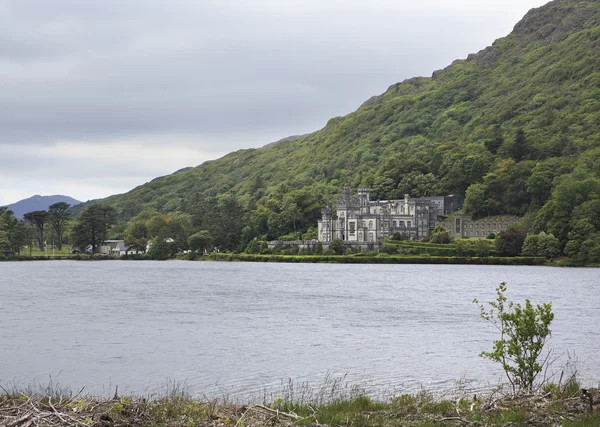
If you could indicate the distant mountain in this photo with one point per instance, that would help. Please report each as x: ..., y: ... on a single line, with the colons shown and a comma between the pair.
x: 39, y: 203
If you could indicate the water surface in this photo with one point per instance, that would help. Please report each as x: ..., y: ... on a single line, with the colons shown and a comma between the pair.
x: 239, y: 328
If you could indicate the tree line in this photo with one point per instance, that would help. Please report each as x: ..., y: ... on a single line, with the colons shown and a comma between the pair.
x: 36, y: 228
x: 55, y: 227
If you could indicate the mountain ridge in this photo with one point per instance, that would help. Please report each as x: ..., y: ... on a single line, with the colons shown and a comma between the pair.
x: 39, y: 203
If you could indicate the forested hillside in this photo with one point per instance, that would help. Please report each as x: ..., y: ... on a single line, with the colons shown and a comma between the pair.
x: 515, y: 127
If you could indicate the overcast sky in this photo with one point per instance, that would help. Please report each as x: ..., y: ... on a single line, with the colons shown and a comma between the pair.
x: 99, y: 96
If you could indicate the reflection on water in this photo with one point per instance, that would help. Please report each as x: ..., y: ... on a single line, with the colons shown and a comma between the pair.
x: 240, y: 328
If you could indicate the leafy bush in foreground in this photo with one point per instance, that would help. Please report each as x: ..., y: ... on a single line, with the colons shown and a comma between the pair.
x: 524, y: 331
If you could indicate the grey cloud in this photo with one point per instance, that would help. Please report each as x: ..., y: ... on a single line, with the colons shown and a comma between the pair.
x: 229, y: 74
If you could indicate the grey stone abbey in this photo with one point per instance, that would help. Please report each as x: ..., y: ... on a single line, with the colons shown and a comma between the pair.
x: 360, y: 219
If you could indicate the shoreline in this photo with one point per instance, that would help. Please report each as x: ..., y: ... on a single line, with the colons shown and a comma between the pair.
x: 326, y: 259
x: 565, y: 405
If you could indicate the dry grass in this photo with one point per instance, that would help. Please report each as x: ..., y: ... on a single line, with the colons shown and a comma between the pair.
x: 334, y: 404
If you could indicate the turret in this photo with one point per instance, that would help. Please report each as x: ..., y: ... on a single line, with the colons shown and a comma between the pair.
x: 345, y: 194
x: 364, y: 192
x: 327, y: 212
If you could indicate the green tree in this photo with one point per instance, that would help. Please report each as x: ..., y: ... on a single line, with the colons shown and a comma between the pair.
x: 175, y: 226
x: 590, y: 249
x: 200, y: 241
x: 584, y: 232
x: 16, y: 233
x: 4, y: 242
x: 464, y: 166
x: 30, y: 236
x: 58, y: 215
x: 495, y: 141
x: 159, y: 249
x: 136, y: 235
x: 548, y: 245
x: 510, y: 242
x: 531, y: 245
x: 519, y: 150
x: 93, y: 226
x: 39, y: 219
x: 475, y: 200
x: 524, y: 331
x: 572, y: 201
x: 226, y: 223
x: 541, y: 245
x: 417, y: 184
x: 248, y: 234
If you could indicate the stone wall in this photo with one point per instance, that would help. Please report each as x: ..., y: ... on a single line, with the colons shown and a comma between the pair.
x: 302, y: 244
x: 463, y: 226
x: 311, y: 245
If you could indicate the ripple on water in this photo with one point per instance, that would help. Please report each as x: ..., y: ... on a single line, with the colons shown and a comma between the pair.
x: 240, y: 328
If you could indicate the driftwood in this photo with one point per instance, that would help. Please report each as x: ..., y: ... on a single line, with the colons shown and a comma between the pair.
x: 19, y: 410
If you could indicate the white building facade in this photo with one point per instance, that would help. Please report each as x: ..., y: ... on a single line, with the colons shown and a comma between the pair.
x: 359, y: 219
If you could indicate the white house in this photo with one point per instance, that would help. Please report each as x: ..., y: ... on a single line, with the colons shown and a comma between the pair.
x: 115, y: 248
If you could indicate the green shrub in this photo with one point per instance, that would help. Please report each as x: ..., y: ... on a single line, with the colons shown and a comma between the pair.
x: 291, y: 250
x: 462, y: 247
x: 389, y: 249
x: 264, y: 248
x: 524, y: 331
x: 440, y: 235
x: 337, y: 246
x: 482, y: 248
x: 319, y: 248
x: 253, y: 247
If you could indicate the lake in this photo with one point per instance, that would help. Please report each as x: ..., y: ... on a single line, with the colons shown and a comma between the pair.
x: 238, y: 329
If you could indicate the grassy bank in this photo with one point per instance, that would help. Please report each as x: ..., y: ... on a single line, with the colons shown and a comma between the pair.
x: 362, y: 258
x: 369, y: 258
x: 564, y: 406
x: 76, y: 257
